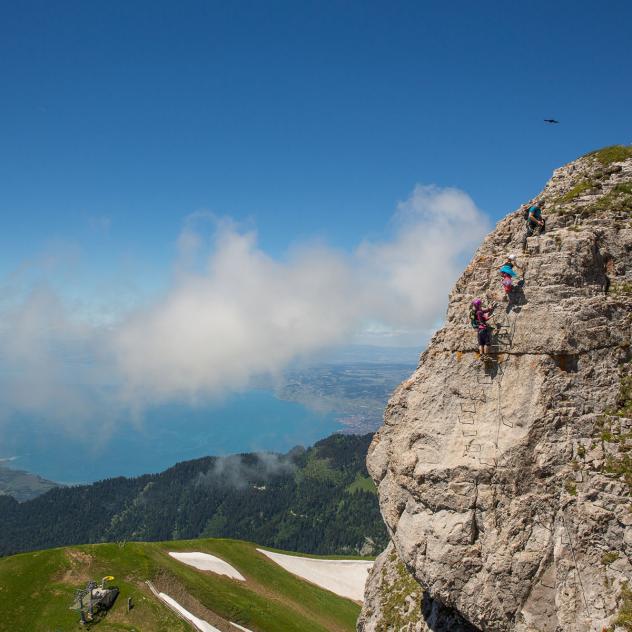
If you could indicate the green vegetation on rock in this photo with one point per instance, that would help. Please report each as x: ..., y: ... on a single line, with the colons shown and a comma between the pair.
x: 395, y: 615
x: 610, y: 557
x: 620, y: 289
x: 614, y: 153
x: 611, y: 430
x: 618, y: 200
x: 576, y: 191
x: 624, y: 616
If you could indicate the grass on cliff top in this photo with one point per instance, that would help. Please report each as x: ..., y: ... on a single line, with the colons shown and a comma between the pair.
x: 618, y: 200
x: 576, y: 191
x: 36, y: 589
x: 614, y: 153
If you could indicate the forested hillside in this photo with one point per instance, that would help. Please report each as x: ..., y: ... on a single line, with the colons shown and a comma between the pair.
x: 318, y: 500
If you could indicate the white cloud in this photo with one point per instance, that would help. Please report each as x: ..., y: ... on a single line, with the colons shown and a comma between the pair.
x: 409, y: 277
x: 233, y: 312
x: 51, y: 363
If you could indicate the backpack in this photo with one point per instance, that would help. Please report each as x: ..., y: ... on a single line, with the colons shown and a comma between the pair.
x: 473, y: 320
x: 526, y: 210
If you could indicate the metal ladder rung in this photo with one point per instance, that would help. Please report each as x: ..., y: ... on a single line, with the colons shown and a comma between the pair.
x: 479, y: 397
x: 491, y: 463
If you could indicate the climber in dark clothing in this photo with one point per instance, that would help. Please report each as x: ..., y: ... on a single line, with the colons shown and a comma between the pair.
x: 535, y: 221
x: 480, y: 318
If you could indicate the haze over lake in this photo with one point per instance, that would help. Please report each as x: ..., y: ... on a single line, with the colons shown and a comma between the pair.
x: 252, y: 421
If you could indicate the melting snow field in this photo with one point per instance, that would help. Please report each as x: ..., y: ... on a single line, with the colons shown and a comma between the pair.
x: 206, y: 562
x: 201, y: 625
x: 343, y: 577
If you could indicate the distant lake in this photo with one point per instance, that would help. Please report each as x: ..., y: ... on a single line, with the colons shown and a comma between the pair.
x: 248, y: 422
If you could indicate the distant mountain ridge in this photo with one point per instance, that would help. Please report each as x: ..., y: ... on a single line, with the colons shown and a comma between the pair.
x: 22, y: 485
x: 315, y: 500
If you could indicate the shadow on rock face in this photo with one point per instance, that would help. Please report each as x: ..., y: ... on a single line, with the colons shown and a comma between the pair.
x: 440, y: 618
x: 492, y: 369
x: 517, y: 298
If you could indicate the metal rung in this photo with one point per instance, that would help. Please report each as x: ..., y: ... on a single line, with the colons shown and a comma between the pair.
x: 470, y: 432
x: 468, y: 407
x: 478, y: 397
x: 467, y: 422
x: 473, y: 447
x: 509, y: 424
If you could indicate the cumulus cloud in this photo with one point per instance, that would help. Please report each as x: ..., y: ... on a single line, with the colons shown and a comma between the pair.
x: 245, y: 314
x: 409, y: 276
x: 233, y: 312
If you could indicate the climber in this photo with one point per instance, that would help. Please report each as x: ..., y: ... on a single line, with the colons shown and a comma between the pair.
x: 508, y: 273
x: 535, y: 221
x: 478, y: 319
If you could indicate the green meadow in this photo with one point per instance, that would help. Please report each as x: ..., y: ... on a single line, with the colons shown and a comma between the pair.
x: 37, y: 589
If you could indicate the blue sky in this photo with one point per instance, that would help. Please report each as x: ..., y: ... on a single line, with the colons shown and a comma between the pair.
x: 310, y: 118
x: 369, y: 145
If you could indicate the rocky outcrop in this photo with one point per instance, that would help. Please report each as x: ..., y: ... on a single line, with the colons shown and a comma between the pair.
x: 505, y: 485
x: 395, y: 602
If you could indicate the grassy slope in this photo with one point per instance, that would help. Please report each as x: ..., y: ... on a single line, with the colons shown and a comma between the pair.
x: 37, y: 588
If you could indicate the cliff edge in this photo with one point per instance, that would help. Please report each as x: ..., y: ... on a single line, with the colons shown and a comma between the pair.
x: 505, y: 485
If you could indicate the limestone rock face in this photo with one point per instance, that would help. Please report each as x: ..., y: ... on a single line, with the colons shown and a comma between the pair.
x: 505, y: 485
x: 395, y: 602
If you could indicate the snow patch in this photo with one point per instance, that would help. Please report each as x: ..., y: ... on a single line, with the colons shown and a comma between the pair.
x: 342, y: 577
x: 200, y: 624
x: 206, y: 562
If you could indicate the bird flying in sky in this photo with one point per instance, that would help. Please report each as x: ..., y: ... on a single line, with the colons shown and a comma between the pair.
x: 550, y: 121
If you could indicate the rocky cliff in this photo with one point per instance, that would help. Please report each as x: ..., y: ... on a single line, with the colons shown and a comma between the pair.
x: 505, y: 485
